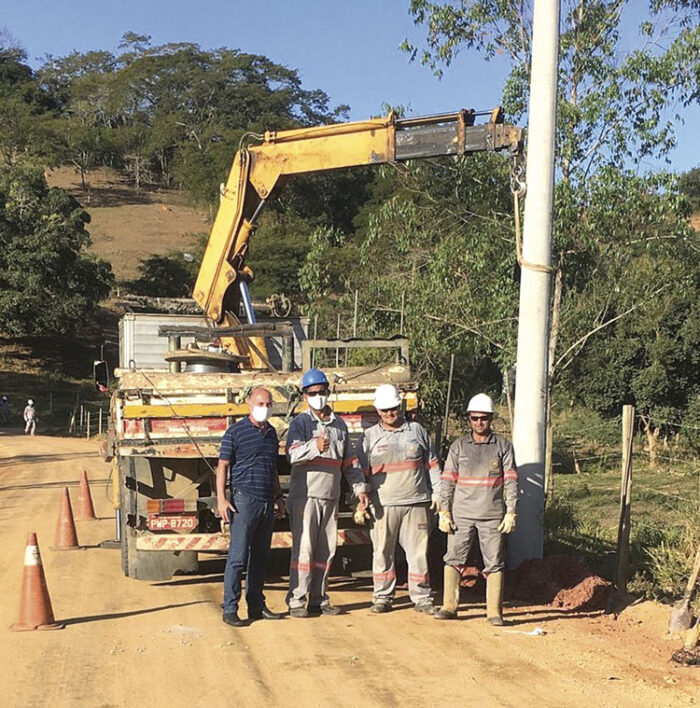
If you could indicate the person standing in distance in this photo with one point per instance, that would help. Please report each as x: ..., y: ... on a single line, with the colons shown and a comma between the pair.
x: 404, y: 475
x: 478, y: 497
x: 318, y: 448
x: 249, y: 449
x: 29, y: 418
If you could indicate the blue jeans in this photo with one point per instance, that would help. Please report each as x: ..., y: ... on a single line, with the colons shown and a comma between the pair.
x: 251, y: 533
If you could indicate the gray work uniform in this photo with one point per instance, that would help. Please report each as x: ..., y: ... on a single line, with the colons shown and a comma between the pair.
x: 479, y: 484
x: 403, y: 473
x: 314, y: 492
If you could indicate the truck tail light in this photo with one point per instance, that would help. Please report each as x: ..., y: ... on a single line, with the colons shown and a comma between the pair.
x: 153, y: 506
x: 172, y: 505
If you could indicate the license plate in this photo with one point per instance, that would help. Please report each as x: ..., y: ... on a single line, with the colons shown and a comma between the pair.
x: 180, y: 523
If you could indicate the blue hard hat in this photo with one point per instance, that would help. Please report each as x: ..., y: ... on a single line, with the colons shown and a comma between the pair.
x: 313, y: 377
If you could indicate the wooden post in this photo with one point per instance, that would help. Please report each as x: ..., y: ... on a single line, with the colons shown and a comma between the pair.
x: 337, y: 336
x: 87, y: 427
x: 403, y: 306
x: 354, y: 317
x: 445, y: 424
x: 82, y: 413
x: 623, y: 529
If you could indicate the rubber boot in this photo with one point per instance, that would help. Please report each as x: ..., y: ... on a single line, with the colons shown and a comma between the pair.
x: 450, y: 593
x: 494, y: 598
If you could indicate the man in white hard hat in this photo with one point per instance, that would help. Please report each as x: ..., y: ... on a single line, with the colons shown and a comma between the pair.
x: 404, y: 474
x: 319, y: 450
x: 29, y: 418
x: 478, y: 496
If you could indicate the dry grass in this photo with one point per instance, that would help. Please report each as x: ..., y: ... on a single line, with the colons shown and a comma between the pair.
x: 126, y: 225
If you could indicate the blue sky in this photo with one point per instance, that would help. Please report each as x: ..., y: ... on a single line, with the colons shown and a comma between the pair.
x: 348, y: 48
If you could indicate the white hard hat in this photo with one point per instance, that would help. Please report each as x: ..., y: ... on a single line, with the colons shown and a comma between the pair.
x: 481, y: 403
x: 30, y: 402
x: 386, y: 396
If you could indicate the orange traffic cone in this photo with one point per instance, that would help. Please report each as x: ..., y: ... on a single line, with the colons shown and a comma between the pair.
x: 35, y: 604
x: 85, y: 508
x: 66, y: 535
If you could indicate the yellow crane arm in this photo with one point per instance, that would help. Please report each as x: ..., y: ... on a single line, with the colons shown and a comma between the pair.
x: 260, y: 169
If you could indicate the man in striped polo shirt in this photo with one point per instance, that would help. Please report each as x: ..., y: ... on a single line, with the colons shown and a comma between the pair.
x: 478, y: 496
x: 249, y: 449
x: 318, y: 448
x: 403, y: 473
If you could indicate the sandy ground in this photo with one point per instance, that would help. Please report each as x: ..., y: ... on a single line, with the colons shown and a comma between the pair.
x: 129, y: 642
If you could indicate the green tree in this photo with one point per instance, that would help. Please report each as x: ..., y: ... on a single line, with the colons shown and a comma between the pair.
x: 689, y: 184
x: 613, y: 111
x: 163, y: 276
x: 47, y: 283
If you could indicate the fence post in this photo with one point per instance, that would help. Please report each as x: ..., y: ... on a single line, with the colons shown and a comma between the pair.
x: 99, y: 428
x: 623, y: 528
x: 87, y: 427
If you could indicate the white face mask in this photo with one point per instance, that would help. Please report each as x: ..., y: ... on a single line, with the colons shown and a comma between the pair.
x: 317, y: 401
x: 260, y: 413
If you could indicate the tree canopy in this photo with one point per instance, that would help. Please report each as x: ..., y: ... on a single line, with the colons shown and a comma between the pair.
x: 47, y: 283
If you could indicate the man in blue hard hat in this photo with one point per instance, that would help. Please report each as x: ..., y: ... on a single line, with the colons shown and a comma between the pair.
x: 319, y: 450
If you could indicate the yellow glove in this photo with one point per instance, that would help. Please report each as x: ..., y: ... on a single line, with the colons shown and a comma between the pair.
x: 445, y: 524
x: 508, y: 523
x: 435, y: 503
x: 361, y: 515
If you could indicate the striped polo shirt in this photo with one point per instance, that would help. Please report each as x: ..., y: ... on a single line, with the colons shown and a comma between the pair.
x: 480, y: 480
x: 252, y: 452
x: 399, y: 464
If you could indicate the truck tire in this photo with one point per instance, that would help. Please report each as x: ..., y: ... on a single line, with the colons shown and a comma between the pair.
x: 147, y: 565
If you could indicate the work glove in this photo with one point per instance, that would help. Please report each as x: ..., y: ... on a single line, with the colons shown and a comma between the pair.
x: 435, y: 503
x: 508, y: 523
x: 445, y: 524
x: 361, y: 515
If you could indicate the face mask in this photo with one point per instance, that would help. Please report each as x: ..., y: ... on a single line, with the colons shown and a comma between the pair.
x: 317, y: 401
x: 260, y: 413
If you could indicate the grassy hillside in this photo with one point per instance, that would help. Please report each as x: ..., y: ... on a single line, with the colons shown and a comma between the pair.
x: 127, y: 225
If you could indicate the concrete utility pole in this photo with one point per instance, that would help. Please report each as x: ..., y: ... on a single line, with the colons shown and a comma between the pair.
x: 533, y: 324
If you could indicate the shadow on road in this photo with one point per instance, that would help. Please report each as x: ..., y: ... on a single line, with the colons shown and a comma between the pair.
x: 120, y: 615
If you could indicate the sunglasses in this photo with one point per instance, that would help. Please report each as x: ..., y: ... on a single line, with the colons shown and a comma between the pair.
x: 479, y: 418
x: 389, y: 410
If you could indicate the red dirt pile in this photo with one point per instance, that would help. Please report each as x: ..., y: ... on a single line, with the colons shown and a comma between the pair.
x: 559, y: 581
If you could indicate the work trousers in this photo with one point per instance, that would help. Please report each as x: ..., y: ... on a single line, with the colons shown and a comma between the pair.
x: 490, y: 542
x: 409, y: 525
x: 314, y: 525
x: 251, y: 533
x: 30, y: 427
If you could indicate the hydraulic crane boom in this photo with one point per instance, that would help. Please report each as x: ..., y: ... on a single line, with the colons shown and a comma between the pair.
x: 260, y: 170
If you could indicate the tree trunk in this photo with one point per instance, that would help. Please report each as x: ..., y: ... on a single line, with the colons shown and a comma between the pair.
x: 652, y: 438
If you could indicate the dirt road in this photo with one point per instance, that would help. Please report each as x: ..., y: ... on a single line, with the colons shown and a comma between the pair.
x: 129, y: 643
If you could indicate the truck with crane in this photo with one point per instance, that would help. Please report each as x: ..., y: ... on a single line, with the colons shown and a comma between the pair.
x: 167, y: 422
